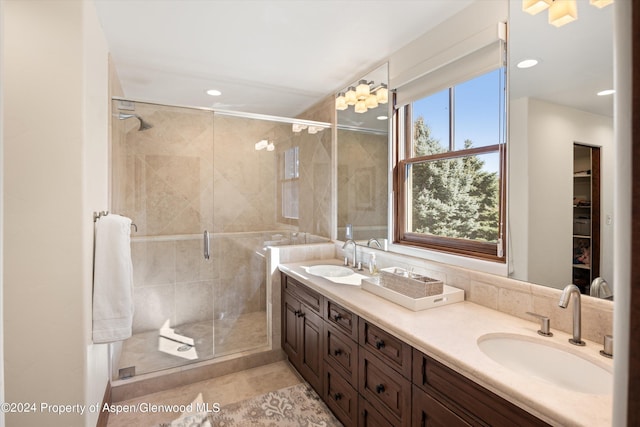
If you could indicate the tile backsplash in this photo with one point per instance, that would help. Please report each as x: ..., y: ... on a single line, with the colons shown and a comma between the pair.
x: 510, y: 296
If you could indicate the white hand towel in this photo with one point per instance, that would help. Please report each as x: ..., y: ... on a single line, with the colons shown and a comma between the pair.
x: 112, y: 280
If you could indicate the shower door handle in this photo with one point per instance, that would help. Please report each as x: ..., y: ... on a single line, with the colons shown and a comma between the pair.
x: 207, y: 248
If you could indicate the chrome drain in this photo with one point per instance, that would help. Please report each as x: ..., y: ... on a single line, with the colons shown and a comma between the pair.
x: 185, y: 347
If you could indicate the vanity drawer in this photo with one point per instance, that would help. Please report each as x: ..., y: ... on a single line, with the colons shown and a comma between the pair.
x: 470, y: 401
x: 385, y: 388
x: 342, y: 319
x: 340, y: 397
x: 370, y: 417
x: 311, y: 298
x: 428, y: 412
x: 389, y: 348
x: 341, y: 353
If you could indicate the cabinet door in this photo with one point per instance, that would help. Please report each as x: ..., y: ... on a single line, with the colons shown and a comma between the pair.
x: 428, y: 412
x: 290, y: 330
x: 385, y: 388
x: 311, y: 334
x: 340, y: 397
x: 370, y: 417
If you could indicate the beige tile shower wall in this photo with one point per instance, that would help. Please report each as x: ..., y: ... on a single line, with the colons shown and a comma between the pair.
x: 163, y: 178
x: 362, y: 181
x: 509, y: 296
x: 244, y: 180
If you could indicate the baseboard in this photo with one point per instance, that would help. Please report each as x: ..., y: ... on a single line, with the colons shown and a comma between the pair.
x: 103, y: 418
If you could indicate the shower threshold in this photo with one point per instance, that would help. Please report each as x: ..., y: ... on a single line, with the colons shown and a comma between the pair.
x: 211, y: 339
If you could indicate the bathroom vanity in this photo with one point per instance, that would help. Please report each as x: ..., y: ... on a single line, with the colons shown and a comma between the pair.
x: 378, y: 364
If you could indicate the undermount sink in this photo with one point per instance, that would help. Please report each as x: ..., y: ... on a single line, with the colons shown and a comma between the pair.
x: 329, y: 270
x: 547, y: 361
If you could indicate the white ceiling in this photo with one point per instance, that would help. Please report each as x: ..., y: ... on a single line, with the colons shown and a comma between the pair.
x: 280, y: 57
x: 270, y: 57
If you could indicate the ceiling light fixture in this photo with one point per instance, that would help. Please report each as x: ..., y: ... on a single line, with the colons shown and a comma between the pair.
x: 527, y: 63
x: 606, y: 92
x: 214, y: 92
x: 561, y: 12
x: 363, y: 97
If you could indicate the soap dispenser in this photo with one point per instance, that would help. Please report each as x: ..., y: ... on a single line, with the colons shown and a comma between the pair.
x: 373, y: 266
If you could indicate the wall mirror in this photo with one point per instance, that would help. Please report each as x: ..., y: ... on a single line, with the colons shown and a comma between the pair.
x: 363, y: 145
x: 554, y: 223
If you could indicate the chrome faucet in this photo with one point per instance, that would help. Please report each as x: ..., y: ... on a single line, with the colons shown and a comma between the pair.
x: 374, y: 240
x: 564, y: 302
x: 355, y: 251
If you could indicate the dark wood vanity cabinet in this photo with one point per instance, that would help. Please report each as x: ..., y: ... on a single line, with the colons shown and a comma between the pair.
x: 458, y: 400
x: 370, y: 378
x: 303, y: 331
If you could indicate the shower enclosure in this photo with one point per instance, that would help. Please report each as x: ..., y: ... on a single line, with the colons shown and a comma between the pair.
x: 208, y: 193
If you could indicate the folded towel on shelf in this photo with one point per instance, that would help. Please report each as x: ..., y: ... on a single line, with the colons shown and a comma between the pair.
x: 112, y: 280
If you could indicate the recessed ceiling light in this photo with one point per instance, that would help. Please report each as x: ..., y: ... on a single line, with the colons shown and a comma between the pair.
x: 606, y: 92
x: 382, y: 117
x: 214, y: 92
x: 527, y: 63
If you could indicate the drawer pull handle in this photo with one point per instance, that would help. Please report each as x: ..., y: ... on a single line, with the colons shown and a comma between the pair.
x: 380, y: 388
x: 301, y: 314
x: 336, y: 317
x: 337, y: 352
x: 337, y: 396
x: 379, y: 343
x: 297, y: 313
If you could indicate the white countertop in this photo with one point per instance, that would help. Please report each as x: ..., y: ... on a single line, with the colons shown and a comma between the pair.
x: 449, y: 334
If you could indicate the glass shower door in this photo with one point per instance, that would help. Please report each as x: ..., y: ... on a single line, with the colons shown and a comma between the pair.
x: 163, y: 181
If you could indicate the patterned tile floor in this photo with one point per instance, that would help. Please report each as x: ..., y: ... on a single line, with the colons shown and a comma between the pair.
x: 222, y: 391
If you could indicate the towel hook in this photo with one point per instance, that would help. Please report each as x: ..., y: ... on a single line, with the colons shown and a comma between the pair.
x: 135, y: 227
x: 98, y: 215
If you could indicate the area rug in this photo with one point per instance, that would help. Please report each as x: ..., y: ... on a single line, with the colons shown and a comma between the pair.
x: 295, y: 406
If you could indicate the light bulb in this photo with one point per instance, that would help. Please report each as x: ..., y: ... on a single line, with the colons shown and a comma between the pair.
x: 563, y: 12
x: 600, y: 3
x: 360, y: 107
x: 341, y: 102
x: 362, y: 90
x: 372, y: 101
x: 382, y: 94
x: 350, y: 96
x: 534, y: 7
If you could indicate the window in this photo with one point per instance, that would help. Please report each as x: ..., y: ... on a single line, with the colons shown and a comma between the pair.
x: 289, y: 184
x: 450, y: 172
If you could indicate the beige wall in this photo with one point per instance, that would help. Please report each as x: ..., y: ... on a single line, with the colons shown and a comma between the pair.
x: 55, y: 175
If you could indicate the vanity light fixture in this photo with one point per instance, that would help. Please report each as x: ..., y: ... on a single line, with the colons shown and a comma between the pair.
x: 527, y: 63
x: 561, y: 12
x: 298, y: 127
x: 600, y: 3
x: 534, y: 7
x: 606, y: 92
x: 214, y: 92
x: 363, y: 97
x: 262, y: 144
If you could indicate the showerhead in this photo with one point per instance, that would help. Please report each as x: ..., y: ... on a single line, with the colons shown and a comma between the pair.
x: 143, y: 125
